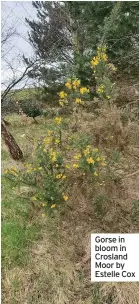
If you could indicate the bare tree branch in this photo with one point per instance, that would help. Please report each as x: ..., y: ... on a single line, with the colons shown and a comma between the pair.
x: 15, y: 82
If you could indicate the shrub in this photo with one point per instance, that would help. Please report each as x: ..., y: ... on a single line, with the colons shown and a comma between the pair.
x: 75, y: 94
x: 103, y: 71
x: 31, y: 109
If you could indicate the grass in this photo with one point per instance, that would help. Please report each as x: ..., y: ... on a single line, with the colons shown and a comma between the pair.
x: 17, y: 231
x: 47, y: 260
x: 23, y: 94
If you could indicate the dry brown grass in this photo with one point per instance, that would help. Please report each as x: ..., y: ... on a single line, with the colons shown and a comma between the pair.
x: 59, y: 268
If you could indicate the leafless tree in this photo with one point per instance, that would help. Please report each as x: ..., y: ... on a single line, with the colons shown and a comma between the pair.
x: 14, y: 73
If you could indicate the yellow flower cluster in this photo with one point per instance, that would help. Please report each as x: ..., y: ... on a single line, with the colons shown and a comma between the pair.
x: 57, y: 141
x: 79, y: 101
x: 95, y: 150
x: 65, y: 197
x: 12, y: 171
x: 87, y: 151
x: 84, y: 90
x: 59, y: 176
x: 68, y: 84
x: 61, y: 103
x: 67, y: 166
x: 91, y: 157
x: 49, y: 132
x: 58, y: 120
x: 100, y: 89
x: 94, y: 61
x: 31, y: 169
x: 62, y: 95
x: 53, y: 206
x: 47, y: 140
x: 75, y: 166
x: 53, y: 155
x: 72, y: 84
x: 34, y: 198
x: 76, y: 84
x: 77, y: 156
x: 90, y: 160
x: 44, y: 204
x: 108, y: 97
x: 101, y: 56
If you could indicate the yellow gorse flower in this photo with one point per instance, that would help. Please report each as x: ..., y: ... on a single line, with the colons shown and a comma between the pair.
x: 61, y: 103
x: 79, y: 101
x: 94, y: 61
x: 34, y: 198
x: 57, y: 141
x: 77, y: 156
x: 75, y: 166
x: 104, y: 57
x: 76, y: 83
x: 90, y: 160
x: 67, y: 166
x: 6, y: 171
x: 53, y: 206
x: 98, y: 159
x: 65, y: 197
x: 95, y: 150
x: 101, y: 56
x: 58, y: 120
x: 87, y: 150
x: 100, y: 89
x: 62, y: 94
x: 13, y: 172
x: 53, y: 155
x: 95, y: 173
x: 68, y: 84
x: 49, y: 132
x: 58, y: 176
x: 47, y: 140
x: 84, y: 90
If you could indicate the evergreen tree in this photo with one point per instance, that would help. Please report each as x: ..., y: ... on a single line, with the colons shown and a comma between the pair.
x: 66, y: 34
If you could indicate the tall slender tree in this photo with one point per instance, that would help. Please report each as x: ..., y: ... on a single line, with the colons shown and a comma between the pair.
x: 66, y: 34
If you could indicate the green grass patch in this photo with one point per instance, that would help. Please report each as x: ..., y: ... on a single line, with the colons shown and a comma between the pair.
x: 5, y: 155
x: 23, y: 94
x: 17, y: 231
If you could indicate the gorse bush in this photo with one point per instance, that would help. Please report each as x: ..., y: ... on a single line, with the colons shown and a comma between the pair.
x: 59, y: 154
x: 48, y: 175
x: 103, y: 71
x: 76, y: 95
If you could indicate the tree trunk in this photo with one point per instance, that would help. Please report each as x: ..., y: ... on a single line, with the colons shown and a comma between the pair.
x: 35, y: 120
x: 10, y: 142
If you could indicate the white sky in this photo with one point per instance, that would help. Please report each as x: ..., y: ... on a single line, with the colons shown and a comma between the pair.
x: 13, y: 13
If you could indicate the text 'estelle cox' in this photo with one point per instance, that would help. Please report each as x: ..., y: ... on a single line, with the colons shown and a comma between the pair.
x: 111, y: 258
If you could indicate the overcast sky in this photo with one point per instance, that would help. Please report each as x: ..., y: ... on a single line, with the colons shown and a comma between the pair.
x: 13, y: 14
